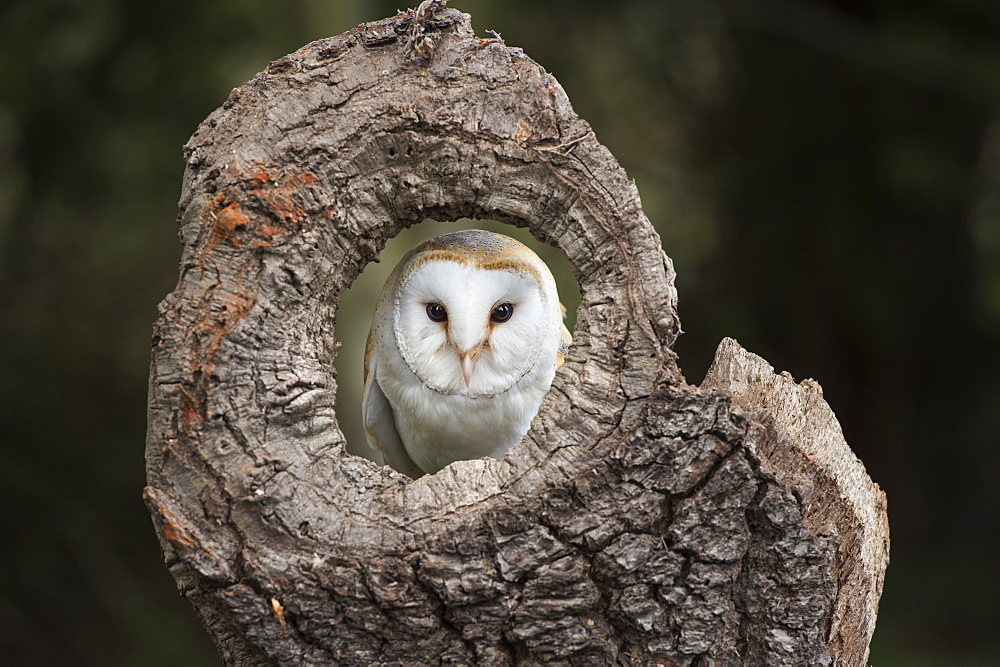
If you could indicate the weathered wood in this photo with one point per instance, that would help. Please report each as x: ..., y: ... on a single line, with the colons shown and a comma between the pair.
x: 805, y: 449
x: 641, y: 519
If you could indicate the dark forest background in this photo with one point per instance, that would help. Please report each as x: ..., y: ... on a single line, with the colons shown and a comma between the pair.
x: 825, y: 175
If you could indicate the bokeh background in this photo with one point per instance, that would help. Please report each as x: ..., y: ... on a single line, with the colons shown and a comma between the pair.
x: 825, y: 175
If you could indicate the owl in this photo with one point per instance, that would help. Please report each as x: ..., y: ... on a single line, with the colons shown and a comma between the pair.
x: 465, y: 340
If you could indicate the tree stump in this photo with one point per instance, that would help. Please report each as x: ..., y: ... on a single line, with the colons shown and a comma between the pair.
x: 641, y: 519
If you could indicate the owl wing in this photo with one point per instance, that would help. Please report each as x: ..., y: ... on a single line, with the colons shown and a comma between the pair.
x: 564, y: 341
x: 380, y: 427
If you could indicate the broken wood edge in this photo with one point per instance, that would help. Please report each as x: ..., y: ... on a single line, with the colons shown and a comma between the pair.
x: 803, y: 445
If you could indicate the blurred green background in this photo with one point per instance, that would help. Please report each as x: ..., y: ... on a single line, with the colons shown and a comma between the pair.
x: 825, y: 175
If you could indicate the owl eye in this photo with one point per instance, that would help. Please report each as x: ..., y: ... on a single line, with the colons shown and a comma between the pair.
x: 436, y: 312
x: 502, y: 312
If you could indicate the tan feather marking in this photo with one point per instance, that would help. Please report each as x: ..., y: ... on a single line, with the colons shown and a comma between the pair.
x: 512, y: 264
x: 487, y: 262
x: 484, y: 250
x: 421, y: 258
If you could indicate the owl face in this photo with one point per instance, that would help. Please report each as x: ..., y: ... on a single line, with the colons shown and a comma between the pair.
x: 464, y: 345
x: 472, y: 328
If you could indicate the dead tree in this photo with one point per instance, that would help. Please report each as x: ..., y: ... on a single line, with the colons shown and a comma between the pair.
x: 641, y: 520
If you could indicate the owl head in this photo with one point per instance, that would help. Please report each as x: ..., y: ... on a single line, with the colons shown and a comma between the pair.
x: 475, y: 312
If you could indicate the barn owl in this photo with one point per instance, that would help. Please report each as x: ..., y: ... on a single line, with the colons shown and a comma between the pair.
x: 465, y: 340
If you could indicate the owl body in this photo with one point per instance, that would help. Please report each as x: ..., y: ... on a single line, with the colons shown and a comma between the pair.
x: 464, y: 344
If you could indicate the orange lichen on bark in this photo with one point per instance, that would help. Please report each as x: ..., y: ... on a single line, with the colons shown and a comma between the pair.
x: 178, y: 537
x: 251, y: 212
x: 228, y: 222
x: 212, y: 330
x: 175, y: 534
x: 280, y: 196
x: 256, y: 190
x: 258, y: 177
x: 192, y: 409
x: 182, y: 539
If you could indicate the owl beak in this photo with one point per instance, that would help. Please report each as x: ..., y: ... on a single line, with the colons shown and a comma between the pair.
x: 468, y: 360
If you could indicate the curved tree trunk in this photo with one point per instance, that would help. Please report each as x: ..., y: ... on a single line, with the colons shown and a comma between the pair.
x: 642, y: 519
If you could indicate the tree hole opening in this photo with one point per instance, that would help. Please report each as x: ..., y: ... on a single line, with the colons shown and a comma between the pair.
x: 356, y: 307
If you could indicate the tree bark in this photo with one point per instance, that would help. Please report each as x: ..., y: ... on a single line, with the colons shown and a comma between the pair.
x: 641, y: 519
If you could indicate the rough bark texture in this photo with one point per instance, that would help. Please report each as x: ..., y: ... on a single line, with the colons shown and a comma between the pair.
x: 641, y: 519
x: 804, y: 448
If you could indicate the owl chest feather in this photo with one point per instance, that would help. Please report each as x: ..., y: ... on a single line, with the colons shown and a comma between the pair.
x: 437, y: 429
